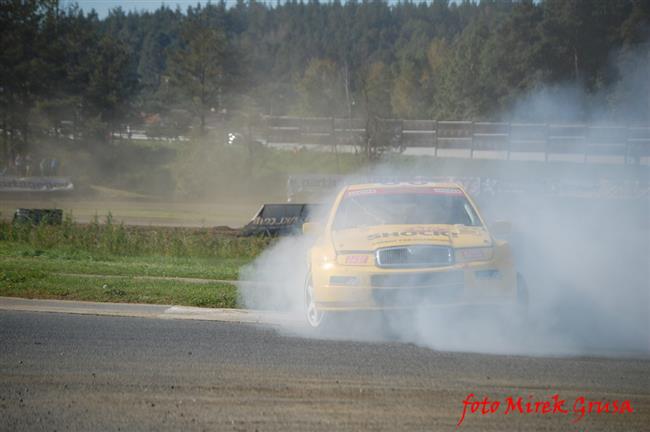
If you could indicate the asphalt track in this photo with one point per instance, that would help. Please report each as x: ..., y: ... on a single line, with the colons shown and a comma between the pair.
x: 88, y: 372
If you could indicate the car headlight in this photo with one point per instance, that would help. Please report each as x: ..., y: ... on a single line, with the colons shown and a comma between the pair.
x: 464, y: 255
x: 327, y: 261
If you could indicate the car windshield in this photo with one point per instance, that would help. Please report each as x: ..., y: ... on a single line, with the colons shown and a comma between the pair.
x: 421, y: 206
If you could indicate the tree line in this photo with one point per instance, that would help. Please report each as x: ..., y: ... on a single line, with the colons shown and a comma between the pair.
x: 67, y: 73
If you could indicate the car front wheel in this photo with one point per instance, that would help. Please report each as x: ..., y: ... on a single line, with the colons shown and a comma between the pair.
x: 315, y: 317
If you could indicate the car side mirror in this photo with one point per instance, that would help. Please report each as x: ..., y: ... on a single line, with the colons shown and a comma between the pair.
x: 311, y: 228
x: 501, y: 228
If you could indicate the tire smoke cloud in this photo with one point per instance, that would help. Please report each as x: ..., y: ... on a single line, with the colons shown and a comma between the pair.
x: 585, y: 257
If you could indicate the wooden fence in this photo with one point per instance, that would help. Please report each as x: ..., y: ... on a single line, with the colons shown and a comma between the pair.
x: 629, y: 141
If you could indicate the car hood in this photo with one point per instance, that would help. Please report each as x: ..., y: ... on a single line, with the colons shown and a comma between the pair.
x: 371, y: 238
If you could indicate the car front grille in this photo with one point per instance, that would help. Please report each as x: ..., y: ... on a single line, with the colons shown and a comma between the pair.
x: 414, y: 256
x: 417, y: 289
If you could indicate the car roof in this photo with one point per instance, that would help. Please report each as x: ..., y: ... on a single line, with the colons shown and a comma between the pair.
x: 362, y: 186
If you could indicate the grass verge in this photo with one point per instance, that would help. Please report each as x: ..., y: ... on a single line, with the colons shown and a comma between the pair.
x: 16, y: 256
x: 28, y: 283
x: 111, y: 239
x: 111, y: 263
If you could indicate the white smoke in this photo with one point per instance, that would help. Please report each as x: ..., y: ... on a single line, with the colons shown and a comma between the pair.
x: 625, y: 101
x: 586, y: 259
x: 280, y: 272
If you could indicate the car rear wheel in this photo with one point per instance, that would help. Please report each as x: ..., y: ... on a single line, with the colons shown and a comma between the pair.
x: 315, y: 317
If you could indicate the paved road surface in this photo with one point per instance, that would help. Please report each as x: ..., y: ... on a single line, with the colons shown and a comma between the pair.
x: 85, y: 372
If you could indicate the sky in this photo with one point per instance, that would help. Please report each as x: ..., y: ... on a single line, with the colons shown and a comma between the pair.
x: 103, y: 6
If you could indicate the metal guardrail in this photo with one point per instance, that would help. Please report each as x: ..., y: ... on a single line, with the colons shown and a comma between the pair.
x: 629, y: 142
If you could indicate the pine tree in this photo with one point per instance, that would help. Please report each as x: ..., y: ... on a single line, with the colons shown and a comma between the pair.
x: 198, y: 66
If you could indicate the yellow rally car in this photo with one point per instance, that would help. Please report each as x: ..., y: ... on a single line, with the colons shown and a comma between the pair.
x: 407, y: 245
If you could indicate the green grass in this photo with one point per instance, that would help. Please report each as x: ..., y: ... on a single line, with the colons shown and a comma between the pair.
x: 31, y: 283
x: 16, y: 256
x: 110, y: 239
x: 114, y: 263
